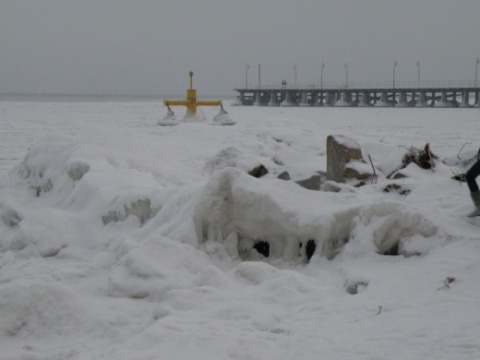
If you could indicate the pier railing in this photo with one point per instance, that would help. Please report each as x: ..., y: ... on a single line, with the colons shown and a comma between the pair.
x: 398, y: 85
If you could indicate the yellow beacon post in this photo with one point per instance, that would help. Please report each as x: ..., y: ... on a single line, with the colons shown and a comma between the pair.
x: 191, y: 101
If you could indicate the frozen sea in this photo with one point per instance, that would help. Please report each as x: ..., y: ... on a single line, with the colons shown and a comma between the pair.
x: 122, y: 239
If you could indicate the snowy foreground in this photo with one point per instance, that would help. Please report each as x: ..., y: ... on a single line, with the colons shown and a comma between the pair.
x: 122, y: 239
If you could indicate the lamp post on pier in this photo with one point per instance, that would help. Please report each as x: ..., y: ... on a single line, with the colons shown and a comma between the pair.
x: 476, y: 70
x: 259, y: 76
x: 246, y: 76
x: 321, y: 76
x: 346, y: 75
x: 394, y: 66
x: 295, y: 71
x: 418, y: 71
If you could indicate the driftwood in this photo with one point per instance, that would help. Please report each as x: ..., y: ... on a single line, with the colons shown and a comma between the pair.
x: 422, y: 157
x: 459, y: 176
x: 374, y: 177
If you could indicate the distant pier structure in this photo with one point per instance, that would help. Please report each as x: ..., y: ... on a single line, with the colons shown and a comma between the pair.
x: 462, y: 94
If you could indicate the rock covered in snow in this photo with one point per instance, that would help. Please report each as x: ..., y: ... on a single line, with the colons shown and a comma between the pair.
x: 284, y: 175
x: 313, y: 182
x: 252, y: 217
x: 344, y: 159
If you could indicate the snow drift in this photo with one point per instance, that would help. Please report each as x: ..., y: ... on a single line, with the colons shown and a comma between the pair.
x: 231, y: 208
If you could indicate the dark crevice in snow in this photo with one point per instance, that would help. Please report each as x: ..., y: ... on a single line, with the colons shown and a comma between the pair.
x: 262, y: 247
x: 310, y: 249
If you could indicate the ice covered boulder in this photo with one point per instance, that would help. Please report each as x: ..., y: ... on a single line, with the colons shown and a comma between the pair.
x: 50, y: 164
x: 313, y: 182
x: 345, y: 160
x: 274, y: 218
x: 247, y: 214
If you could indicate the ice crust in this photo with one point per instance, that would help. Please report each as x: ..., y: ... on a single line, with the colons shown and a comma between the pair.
x: 121, y: 239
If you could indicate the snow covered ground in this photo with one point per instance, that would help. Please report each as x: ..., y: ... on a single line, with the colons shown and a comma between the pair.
x: 122, y: 239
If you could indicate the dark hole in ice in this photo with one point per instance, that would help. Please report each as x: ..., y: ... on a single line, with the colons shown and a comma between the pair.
x: 393, y: 251
x: 262, y: 247
x: 310, y: 249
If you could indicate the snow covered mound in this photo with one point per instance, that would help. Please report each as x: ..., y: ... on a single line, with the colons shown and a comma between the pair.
x: 68, y: 192
x: 253, y: 218
x: 27, y: 306
x: 156, y: 267
x: 231, y: 157
x: 72, y: 185
x: 285, y: 220
x: 222, y: 118
x: 168, y: 121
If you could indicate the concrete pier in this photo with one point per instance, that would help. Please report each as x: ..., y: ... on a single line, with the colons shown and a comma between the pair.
x: 412, y: 94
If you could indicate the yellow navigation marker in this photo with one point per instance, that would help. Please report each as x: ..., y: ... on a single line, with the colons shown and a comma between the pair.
x: 191, y: 101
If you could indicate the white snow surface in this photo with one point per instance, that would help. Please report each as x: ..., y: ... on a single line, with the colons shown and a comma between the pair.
x: 122, y: 239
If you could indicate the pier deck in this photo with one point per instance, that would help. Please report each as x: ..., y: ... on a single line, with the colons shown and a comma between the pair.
x: 402, y: 94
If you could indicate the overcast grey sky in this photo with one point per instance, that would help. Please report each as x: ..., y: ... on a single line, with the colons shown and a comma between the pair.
x: 148, y: 47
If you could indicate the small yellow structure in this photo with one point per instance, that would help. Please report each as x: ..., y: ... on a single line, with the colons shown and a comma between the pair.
x: 191, y: 101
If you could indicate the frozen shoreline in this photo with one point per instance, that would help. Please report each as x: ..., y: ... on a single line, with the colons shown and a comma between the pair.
x: 99, y: 242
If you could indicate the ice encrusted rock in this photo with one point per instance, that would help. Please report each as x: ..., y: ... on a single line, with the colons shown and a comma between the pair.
x: 76, y: 170
x: 312, y: 183
x: 344, y: 159
x: 240, y: 211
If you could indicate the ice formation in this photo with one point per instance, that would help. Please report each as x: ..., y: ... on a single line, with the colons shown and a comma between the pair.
x: 241, y: 211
